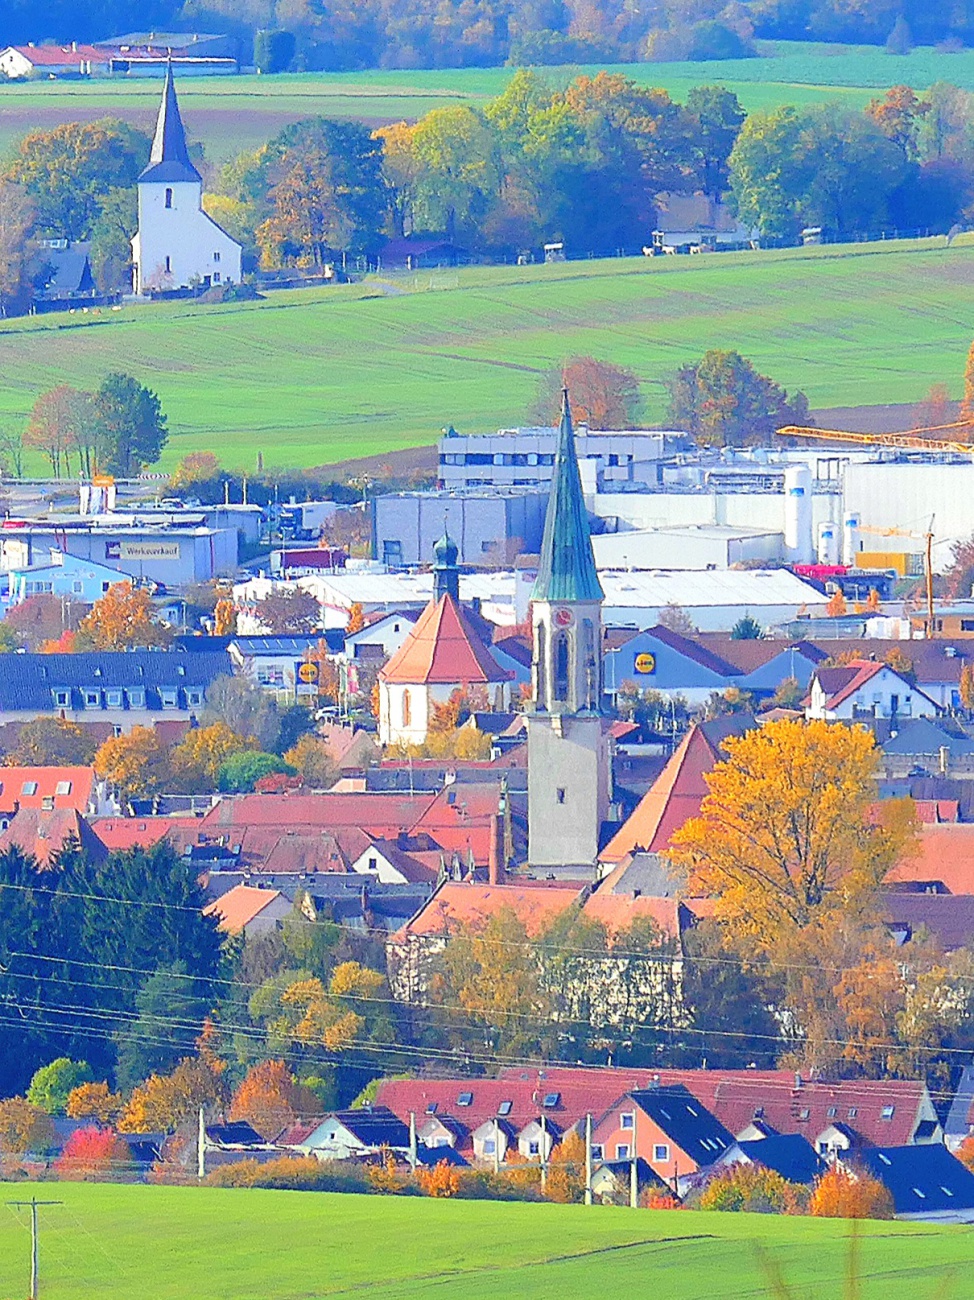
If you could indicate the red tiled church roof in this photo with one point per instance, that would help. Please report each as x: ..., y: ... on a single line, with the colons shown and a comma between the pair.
x: 443, y: 648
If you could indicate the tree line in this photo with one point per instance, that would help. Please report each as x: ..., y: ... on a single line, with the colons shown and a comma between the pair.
x: 459, y: 33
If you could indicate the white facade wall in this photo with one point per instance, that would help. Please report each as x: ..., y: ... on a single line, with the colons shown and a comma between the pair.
x: 177, y: 244
x: 877, y: 696
x: 757, y: 510
x: 906, y: 496
x: 710, y: 546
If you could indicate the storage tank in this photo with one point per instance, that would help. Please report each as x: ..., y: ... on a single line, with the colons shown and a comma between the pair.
x: 798, y: 514
x: 828, y: 544
x: 850, y: 538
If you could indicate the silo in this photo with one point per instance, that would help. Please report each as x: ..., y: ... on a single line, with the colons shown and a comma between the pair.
x: 798, y: 514
x: 828, y: 544
x: 850, y: 538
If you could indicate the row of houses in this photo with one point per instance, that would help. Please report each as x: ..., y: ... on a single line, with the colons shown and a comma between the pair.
x: 659, y: 1131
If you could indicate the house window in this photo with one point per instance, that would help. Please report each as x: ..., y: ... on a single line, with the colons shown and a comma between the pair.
x: 29, y: 787
x: 216, y: 277
x: 853, y: 1112
x: 560, y: 795
x: 967, y: 625
x: 887, y: 1112
x: 505, y: 1108
x: 804, y: 1113
x: 490, y: 1146
x: 627, y: 1119
x: 831, y: 1112
x: 622, y: 1150
x: 431, y: 1108
x: 92, y: 699
x: 551, y: 1099
x: 194, y: 697
x: 104, y: 587
x: 216, y: 257
x: 168, y: 699
x: 62, y: 699
x: 596, y: 1150
x: 373, y: 864
x: 47, y: 803
x: 759, y: 1112
x: 136, y: 699
x: 168, y: 205
x: 661, y: 1153
x: 407, y: 710
x: 465, y: 1099
x: 63, y: 788
x: 113, y: 699
x: 77, y: 588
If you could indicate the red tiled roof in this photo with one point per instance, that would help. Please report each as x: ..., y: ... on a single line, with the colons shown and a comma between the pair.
x: 673, y: 798
x: 932, y: 811
x: 377, y: 813
x: 840, y: 683
x: 943, y: 852
x: 238, y: 906
x: 42, y: 834
x: 137, y: 832
x: 16, y: 783
x: 616, y: 911
x: 735, y: 1095
x: 456, y: 903
x: 443, y: 648
x: 44, y: 56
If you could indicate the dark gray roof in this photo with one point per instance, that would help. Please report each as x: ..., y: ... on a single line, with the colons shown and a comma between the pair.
x: 439, y: 1155
x: 27, y: 680
x: 235, y: 1133
x: 374, y: 1126
x: 686, y: 1121
x: 789, y: 1154
x: 169, y: 159
x: 68, y: 270
x: 948, y: 917
x: 921, y: 736
x: 921, y: 1179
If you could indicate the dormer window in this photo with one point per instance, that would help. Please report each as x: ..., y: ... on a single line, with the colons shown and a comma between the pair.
x: 168, y: 205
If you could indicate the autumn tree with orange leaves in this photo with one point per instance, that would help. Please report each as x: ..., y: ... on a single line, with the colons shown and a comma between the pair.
x: 136, y: 763
x: 603, y: 396
x: 94, y: 1101
x: 843, y: 1194
x: 123, y: 620
x: 94, y: 1155
x: 269, y: 1098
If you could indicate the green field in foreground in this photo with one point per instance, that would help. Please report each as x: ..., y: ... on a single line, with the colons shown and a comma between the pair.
x: 171, y: 1243
x: 311, y: 377
x: 228, y: 114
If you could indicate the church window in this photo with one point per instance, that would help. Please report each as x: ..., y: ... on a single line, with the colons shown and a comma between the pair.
x: 216, y: 257
x: 168, y: 197
x: 216, y: 277
x: 168, y: 263
x: 561, y: 794
x: 561, y: 668
x: 407, y: 712
x: 541, y: 667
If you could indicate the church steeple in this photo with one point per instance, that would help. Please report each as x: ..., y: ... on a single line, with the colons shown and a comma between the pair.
x: 169, y: 159
x: 446, y: 571
x: 566, y: 571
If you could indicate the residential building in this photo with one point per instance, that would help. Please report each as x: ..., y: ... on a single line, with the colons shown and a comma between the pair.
x: 927, y: 1184
x: 942, y: 856
x: 865, y: 689
x: 492, y: 527
x: 66, y: 575
x: 43, y: 834
x: 695, y: 223
x: 346, y: 1134
x: 177, y: 245
x: 668, y: 1127
x: 18, y: 62
x: 954, y: 620
x: 526, y: 457
x: 50, y: 789
x: 442, y: 653
x: 569, y: 765
x: 286, y: 667
x: 789, y: 1154
x: 249, y: 911
x: 124, y: 689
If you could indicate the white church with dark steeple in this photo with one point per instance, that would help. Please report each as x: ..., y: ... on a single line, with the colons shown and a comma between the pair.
x: 177, y: 245
x: 569, y: 763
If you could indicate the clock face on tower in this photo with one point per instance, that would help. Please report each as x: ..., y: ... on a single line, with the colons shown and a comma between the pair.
x: 563, y: 617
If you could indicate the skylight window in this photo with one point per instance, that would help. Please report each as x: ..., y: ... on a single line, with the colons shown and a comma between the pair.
x: 465, y: 1099
x: 505, y: 1108
x: 551, y: 1099
x: 29, y: 787
x: 431, y: 1108
x: 888, y: 1112
x: 917, y: 1192
x: 885, y: 1159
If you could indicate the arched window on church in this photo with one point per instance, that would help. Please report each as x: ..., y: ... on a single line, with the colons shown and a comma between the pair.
x: 590, y: 665
x: 561, y: 668
x: 168, y: 197
x: 407, y: 711
x: 541, y: 667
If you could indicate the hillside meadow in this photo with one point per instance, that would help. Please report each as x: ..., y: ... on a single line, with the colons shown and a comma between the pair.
x: 312, y: 377
x: 106, y: 1241
x: 228, y: 114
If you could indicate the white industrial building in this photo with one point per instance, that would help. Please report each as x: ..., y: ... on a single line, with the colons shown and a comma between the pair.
x: 690, y: 546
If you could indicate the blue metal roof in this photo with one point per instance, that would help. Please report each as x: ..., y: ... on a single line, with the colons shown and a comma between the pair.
x: 921, y: 1179
x: 789, y: 1154
x: 566, y: 569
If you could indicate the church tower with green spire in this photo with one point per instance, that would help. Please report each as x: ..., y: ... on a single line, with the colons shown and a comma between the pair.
x: 569, y: 771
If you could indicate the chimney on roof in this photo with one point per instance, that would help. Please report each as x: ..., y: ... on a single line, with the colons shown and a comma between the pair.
x: 798, y: 1081
x: 944, y: 760
x: 495, y: 860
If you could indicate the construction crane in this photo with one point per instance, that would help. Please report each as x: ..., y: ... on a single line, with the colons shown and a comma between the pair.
x: 912, y: 441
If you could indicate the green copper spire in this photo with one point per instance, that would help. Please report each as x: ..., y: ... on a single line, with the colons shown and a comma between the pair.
x: 567, y: 567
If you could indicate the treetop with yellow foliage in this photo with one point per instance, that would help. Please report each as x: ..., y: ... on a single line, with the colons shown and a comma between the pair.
x: 786, y: 835
x: 123, y: 620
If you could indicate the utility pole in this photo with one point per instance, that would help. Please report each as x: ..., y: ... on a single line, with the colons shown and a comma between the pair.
x: 544, y: 1155
x: 412, y: 1140
x: 588, y: 1159
x: 497, y: 1147
x: 929, y: 578
x: 634, y: 1170
x: 201, y: 1147
x: 33, y: 1205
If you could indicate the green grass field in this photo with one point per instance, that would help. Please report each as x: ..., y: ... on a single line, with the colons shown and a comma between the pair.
x: 310, y: 377
x: 230, y: 114
x: 106, y: 1242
